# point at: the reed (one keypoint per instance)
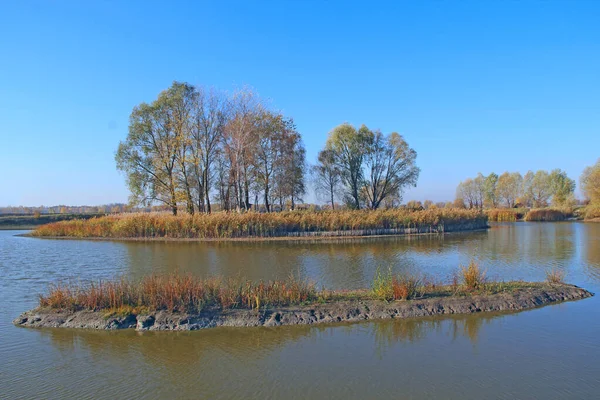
(178, 293)
(548, 214)
(188, 294)
(253, 224)
(502, 215)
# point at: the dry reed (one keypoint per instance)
(253, 224)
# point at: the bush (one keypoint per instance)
(592, 211)
(472, 276)
(547, 214)
(555, 276)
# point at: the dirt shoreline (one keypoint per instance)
(332, 312)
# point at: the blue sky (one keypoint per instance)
(475, 86)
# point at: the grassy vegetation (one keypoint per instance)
(253, 224)
(555, 276)
(187, 294)
(502, 215)
(548, 214)
(592, 212)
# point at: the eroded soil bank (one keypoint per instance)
(337, 311)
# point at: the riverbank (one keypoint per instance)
(254, 225)
(350, 307)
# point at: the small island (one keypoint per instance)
(176, 302)
(256, 225)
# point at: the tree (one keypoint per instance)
(210, 111)
(590, 182)
(509, 188)
(326, 176)
(490, 189)
(348, 145)
(562, 187)
(390, 166)
(148, 156)
(540, 189)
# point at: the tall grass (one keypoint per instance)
(178, 293)
(548, 214)
(253, 224)
(188, 294)
(502, 215)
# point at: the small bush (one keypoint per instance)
(405, 287)
(592, 211)
(555, 276)
(502, 215)
(547, 214)
(472, 276)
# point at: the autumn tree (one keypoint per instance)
(562, 187)
(372, 166)
(590, 183)
(326, 176)
(389, 167)
(148, 156)
(348, 145)
(509, 188)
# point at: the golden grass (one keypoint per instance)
(187, 294)
(473, 277)
(547, 214)
(177, 293)
(502, 215)
(252, 224)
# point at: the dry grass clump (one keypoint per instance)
(404, 286)
(178, 293)
(555, 276)
(254, 224)
(502, 215)
(547, 214)
(472, 276)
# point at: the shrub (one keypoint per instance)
(592, 211)
(547, 214)
(555, 276)
(472, 276)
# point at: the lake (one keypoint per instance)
(552, 352)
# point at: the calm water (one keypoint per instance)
(552, 352)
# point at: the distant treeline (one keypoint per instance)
(511, 189)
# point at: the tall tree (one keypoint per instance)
(562, 187)
(490, 189)
(590, 183)
(509, 188)
(326, 176)
(148, 156)
(349, 146)
(390, 167)
(209, 116)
